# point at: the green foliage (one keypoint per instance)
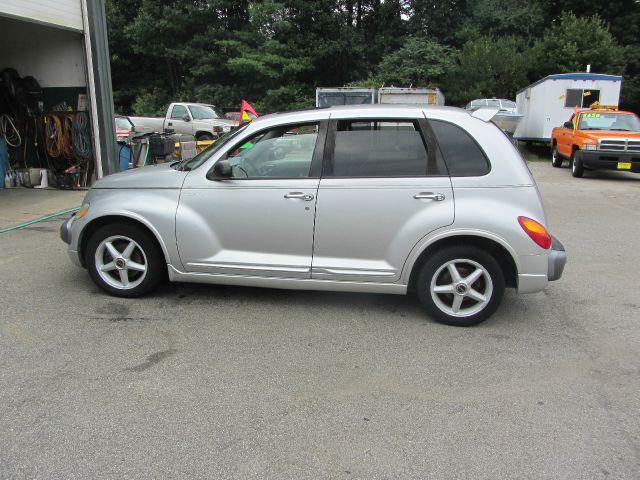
(503, 18)
(150, 103)
(572, 43)
(274, 53)
(487, 67)
(420, 61)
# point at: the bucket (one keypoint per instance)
(124, 157)
(4, 161)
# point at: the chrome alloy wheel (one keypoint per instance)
(461, 288)
(121, 262)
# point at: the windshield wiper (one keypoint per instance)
(621, 130)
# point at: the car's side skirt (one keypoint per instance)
(176, 275)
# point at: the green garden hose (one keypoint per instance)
(46, 217)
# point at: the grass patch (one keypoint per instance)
(535, 152)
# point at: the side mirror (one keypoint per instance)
(568, 125)
(220, 171)
(186, 118)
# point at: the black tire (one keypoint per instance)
(203, 137)
(577, 170)
(147, 252)
(556, 159)
(435, 266)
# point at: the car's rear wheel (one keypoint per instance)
(124, 260)
(577, 170)
(461, 286)
(556, 159)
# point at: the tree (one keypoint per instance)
(420, 62)
(572, 43)
(502, 18)
(487, 67)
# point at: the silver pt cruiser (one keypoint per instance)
(385, 199)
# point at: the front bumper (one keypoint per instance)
(65, 230)
(557, 259)
(608, 160)
(65, 235)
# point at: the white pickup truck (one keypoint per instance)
(205, 122)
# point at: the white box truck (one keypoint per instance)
(411, 96)
(549, 102)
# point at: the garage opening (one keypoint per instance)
(45, 121)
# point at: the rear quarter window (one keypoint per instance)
(462, 154)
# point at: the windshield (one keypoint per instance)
(508, 104)
(207, 153)
(205, 112)
(624, 122)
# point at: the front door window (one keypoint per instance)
(283, 152)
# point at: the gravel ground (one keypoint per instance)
(227, 382)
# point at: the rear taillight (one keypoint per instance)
(536, 231)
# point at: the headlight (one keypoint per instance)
(590, 146)
(226, 128)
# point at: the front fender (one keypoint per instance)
(153, 208)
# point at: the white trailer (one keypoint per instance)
(549, 102)
(326, 97)
(411, 96)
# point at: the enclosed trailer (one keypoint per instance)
(326, 97)
(411, 96)
(549, 102)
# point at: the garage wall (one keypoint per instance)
(61, 13)
(54, 57)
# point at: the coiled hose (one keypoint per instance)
(9, 131)
(53, 135)
(67, 147)
(81, 136)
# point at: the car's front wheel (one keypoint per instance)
(460, 286)
(124, 260)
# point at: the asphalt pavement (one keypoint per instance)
(241, 383)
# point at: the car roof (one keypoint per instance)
(342, 111)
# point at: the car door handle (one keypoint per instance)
(307, 197)
(438, 197)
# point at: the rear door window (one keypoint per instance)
(463, 156)
(379, 148)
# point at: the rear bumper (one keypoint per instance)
(536, 282)
(606, 160)
(557, 259)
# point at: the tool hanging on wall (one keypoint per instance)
(81, 136)
(53, 135)
(9, 131)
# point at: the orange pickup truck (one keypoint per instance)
(601, 138)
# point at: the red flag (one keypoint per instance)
(244, 108)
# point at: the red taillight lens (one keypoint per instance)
(536, 231)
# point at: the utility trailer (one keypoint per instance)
(411, 96)
(326, 97)
(549, 102)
